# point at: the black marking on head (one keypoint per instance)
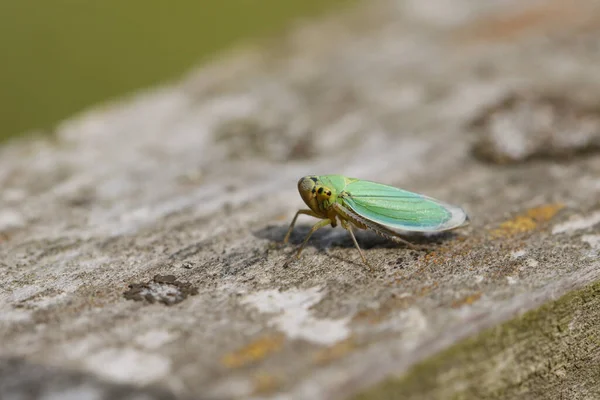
(315, 180)
(320, 190)
(314, 190)
(329, 193)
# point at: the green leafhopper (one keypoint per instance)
(386, 210)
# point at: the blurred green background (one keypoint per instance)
(60, 56)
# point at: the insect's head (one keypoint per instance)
(314, 193)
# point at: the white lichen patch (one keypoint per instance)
(21, 293)
(167, 293)
(592, 240)
(14, 315)
(128, 365)
(81, 348)
(154, 339)
(517, 254)
(294, 317)
(48, 301)
(163, 289)
(75, 393)
(532, 262)
(10, 219)
(577, 223)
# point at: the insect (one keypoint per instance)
(369, 205)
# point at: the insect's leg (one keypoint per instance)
(362, 255)
(306, 212)
(408, 244)
(315, 228)
(394, 237)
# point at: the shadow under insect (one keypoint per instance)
(338, 237)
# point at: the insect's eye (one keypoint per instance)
(322, 191)
(306, 185)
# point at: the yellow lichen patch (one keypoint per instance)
(254, 351)
(545, 213)
(335, 352)
(527, 222)
(265, 384)
(466, 301)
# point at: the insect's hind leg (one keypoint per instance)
(348, 227)
(397, 239)
(291, 228)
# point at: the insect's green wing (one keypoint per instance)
(400, 209)
(337, 183)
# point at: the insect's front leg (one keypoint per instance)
(315, 228)
(305, 212)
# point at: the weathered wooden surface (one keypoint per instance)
(197, 180)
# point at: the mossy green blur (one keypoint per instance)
(61, 56)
